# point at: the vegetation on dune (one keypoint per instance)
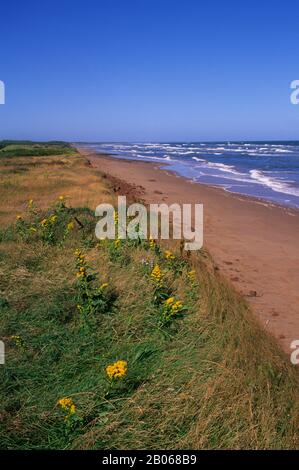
(11, 148)
(124, 344)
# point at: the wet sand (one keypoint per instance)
(254, 243)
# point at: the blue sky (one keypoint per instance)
(141, 70)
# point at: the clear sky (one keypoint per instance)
(149, 70)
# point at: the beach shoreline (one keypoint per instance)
(252, 241)
(163, 167)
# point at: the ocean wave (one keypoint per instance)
(275, 184)
(223, 167)
(280, 150)
(168, 158)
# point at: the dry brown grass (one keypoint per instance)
(43, 179)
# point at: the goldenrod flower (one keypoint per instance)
(117, 370)
(17, 340)
(156, 272)
(68, 405)
(152, 242)
(191, 275)
(157, 275)
(177, 306)
(172, 308)
(168, 254)
(169, 301)
(80, 256)
(81, 272)
(65, 402)
(72, 409)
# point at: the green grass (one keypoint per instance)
(27, 148)
(212, 379)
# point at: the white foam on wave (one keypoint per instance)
(276, 184)
(282, 150)
(154, 157)
(223, 167)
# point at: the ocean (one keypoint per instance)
(266, 170)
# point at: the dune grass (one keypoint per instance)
(210, 378)
(11, 148)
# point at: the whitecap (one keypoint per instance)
(276, 184)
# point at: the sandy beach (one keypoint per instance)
(254, 243)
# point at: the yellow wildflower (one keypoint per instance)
(61, 197)
(104, 286)
(53, 218)
(70, 226)
(44, 222)
(117, 370)
(68, 405)
(157, 275)
(81, 272)
(152, 242)
(19, 217)
(30, 203)
(168, 254)
(17, 340)
(171, 308)
(80, 256)
(117, 242)
(169, 301)
(191, 275)
(32, 229)
(177, 306)
(65, 402)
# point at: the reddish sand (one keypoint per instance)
(254, 243)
